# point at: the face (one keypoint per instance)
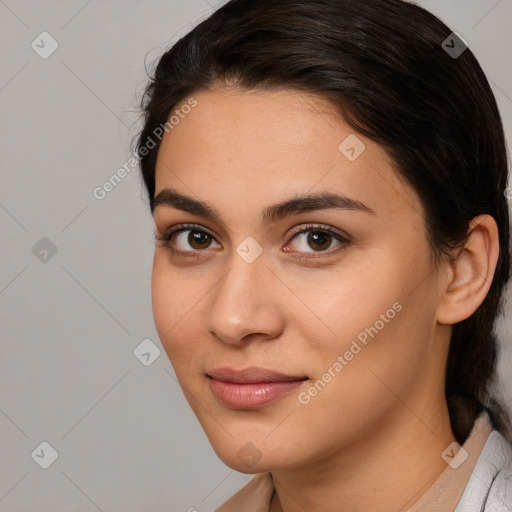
(295, 252)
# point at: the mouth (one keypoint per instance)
(251, 388)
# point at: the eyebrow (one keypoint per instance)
(273, 213)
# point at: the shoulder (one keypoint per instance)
(489, 488)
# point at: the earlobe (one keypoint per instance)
(470, 272)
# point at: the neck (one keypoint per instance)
(387, 469)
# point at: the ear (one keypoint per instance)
(470, 272)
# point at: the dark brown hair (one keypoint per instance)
(383, 65)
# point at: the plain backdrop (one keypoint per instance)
(75, 273)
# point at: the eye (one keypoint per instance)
(186, 239)
(191, 240)
(317, 239)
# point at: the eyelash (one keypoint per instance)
(169, 236)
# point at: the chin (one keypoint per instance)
(248, 458)
(246, 464)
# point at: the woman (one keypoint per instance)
(327, 183)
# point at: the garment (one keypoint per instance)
(480, 483)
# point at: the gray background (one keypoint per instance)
(125, 436)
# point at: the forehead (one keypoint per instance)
(248, 147)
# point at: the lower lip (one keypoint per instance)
(251, 396)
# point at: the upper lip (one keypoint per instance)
(251, 375)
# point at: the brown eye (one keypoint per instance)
(319, 240)
(187, 241)
(199, 239)
(191, 240)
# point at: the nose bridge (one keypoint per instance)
(242, 301)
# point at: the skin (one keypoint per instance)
(372, 438)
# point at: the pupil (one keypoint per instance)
(197, 238)
(321, 240)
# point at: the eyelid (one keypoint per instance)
(321, 227)
(172, 230)
(168, 234)
(343, 239)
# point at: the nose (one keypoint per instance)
(246, 303)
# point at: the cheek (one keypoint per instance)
(163, 296)
(174, 293)
(174, 302)
(372, 313)
(381, 349)
(362, 380)
(338, 306)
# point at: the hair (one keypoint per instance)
(382, 65)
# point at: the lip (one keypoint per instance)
(251, 388)
(251, 375)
